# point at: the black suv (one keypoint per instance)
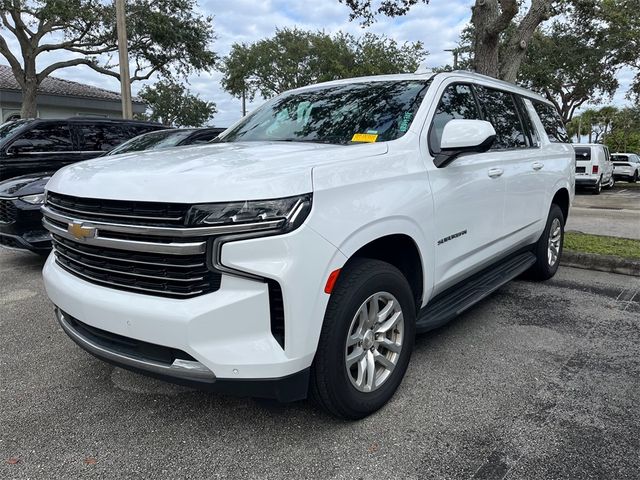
(21, 197)
(45, 145)
(32, 150)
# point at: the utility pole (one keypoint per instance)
(244, 101)
(125, 80)
(455, 52)
(580, 129)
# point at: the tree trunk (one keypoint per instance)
(29, 94)
(28, 80)
(516, 50)
(485, 41)
(490, 19)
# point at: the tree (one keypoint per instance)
(570, 67)
(294, 58)
(616, 23)
(171, 103)
(501, 33)
(167, 37)
(625, 131)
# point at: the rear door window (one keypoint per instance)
(583, 154)
(552, 122)
(500, 109)
(457, 102)
(102, 137)
(49, 137)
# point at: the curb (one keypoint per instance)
(602, 263)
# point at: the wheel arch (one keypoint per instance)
(563, 200)
(401, 251)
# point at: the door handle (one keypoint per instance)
(537, 165)
(495, 172)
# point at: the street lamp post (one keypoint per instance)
(125, 80)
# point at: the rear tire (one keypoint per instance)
(351, 334)
(548, 249)
(634, 179)
(612, 183)
(598, 188)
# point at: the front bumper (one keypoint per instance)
(124, 353)
(24, 230)
(227, 332)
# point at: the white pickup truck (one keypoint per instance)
(303, 251)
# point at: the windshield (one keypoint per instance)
(7, 128)
(152, 141)
(341, 114)
(620, 158)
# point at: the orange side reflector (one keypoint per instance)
(331, 281)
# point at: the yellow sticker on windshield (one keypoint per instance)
(365, 137)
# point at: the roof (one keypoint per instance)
(426, 75)
(59, 87)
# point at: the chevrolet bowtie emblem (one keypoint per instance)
(78, 230)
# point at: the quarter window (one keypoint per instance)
(51, 137)
(457, 102)
(499, 108)
(552, 121)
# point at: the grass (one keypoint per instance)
(620, 247)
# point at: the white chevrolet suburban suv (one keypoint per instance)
(304, 249)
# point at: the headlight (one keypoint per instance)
(283, 214)
(34, 199)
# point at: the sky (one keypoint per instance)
(437, 24)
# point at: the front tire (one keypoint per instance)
(548, 249)
(366, 340)
(634, 179)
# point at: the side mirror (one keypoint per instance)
(20, 146)
(464, 136)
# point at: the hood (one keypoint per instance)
(24, 185)
(206, 173)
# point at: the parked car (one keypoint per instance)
(45, 145)
(168, 138)
(21, 197)
(303, 249)
(626, 166)
(594, 169)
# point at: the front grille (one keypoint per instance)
(8, 211)
(140, 247)
(180, 276)
(581, 169)
(135, 213)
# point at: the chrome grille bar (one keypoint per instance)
(122, 272)
(164, 231)
(117, 215)
(127, 287)
(190, 248)
(59, 244)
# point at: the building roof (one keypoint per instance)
(59, 87)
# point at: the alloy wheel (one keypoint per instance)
(374, 342)
(555, 237)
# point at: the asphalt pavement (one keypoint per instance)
(614, 212)
(539, 381)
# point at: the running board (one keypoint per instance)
(455, 300)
